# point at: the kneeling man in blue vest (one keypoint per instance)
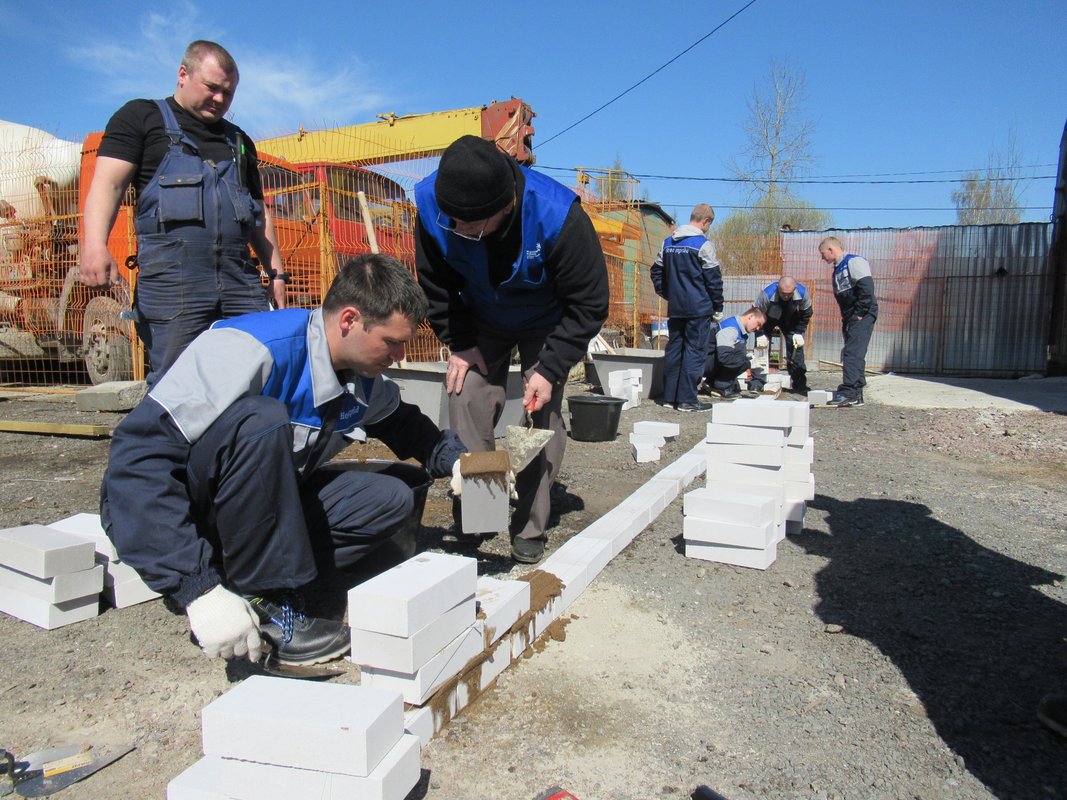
(214, 492)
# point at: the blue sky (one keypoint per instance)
(892, 87)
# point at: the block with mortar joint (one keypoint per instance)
(736, 556)
(592, 554)
(754, 454)
(500, 604)
(321, 726)
(60, 589)
(668, 430)
(800, 454)
(48, 615)
(417, 687)
(411, 595)
(617, 531)
(644, 453)
(45, 552)
(683, 470)
(409, 653)
(230, 779)
(485, 506)
(732, 534)
(721, 433)
(418, 721)
(728, 505)
(88, 526)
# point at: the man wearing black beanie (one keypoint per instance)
(508, 259)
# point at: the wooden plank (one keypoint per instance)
(55, 429)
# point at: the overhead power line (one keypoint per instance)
(822, 181)
(649, 75)
(856, 208)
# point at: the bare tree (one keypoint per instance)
(779, 137)
(992, 198)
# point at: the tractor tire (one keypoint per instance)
(106, 342)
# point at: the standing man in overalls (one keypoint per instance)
(854, 292)
(199, 206)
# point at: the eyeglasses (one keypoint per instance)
(450, 226)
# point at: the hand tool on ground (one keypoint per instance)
(523, 443)
(555, 793)
(47, 771)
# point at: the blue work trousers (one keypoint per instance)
(683, 360)
(857, 333)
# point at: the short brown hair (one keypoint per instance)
(831, 240)
(197, 51)
(702, 211)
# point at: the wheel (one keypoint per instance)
(106, 342)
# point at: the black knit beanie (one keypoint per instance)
(474, 180)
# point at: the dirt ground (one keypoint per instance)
(896, 649)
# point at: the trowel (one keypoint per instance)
(47, 771)
(524, 443)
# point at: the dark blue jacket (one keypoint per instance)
(687, 275)
(854, 288)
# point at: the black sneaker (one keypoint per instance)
(844, 401)
(527, 551)
(694, 406)
(1052, 711)
(726, 394)
(296, 638)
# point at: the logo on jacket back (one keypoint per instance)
(535, 254)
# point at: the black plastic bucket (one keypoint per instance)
(414, 476)
(594, 417)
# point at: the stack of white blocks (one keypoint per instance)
(275, 738)
(122, 585)
(48, 578)
(626, 385)
(756, 449)
(649, 437)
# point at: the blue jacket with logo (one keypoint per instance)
(854, 288)
(686, 273)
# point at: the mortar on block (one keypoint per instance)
(485, 491)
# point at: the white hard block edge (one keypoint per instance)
(616, 527)
(60, 589)
(753, 412)
(683, 470)
(409, 653)
(419, 721)
(800, 490)
(800, 454)
(775, 491)
(668, 430)
(794, 527)
(591, 555)
(647, 439)
(417, 687)
(48, 615)
(319, 726)
(744, 434)
(726, 471)
(728, 505)
(796, 472)
(737, 556)
(732, 534)
(88, 525)
(229, 779)
(45, 552)
(819, 397)
(644, 453)
(795, 510)
(485, 507)
(500, 604)
(123, 587)
(755, 454)
(411, 595)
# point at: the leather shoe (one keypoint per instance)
(527, 551)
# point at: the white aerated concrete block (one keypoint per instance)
(721, 433)
(757, 455)
(685, 469)
(88, 525)
(754, 413)
(500, 604)
(794, 527)
(521, 639)
(819, 397)
(746, 473)
(647, 439)
(419, 721)
(795, 510)
(774, 491)
(737, 556)
(409, 653)
(668, 430)
(800, 490)
(644, 453)
(797, 435)
(592, 554)
(48, 615)
(319, 726)
(498, 660)
(734, 534)
(612, 528)
(800, 454)
(60, 589)
(417, 687)
(411, 595)
(796, 472)
(45, 552)
(123, 587)
(229, 779)
(724, 504)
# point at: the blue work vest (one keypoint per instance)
(524, 301)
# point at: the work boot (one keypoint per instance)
(527, 551)
(698, 406)
(295, 637)
(845, 401)
(726, 394)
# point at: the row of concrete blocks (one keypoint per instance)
(627, 385)
(759, 457)
(649, 437)
(772, 381)
(52, 575)
(274, 739)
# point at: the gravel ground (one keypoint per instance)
(897, 648)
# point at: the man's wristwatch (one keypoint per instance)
(279, 276)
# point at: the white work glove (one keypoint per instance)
(225, 625)
(762, 341)
(456, 482)
(716, 317)
(798, 340)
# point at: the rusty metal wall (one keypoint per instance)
(956, 300)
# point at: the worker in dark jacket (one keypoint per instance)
(508, 259)
(854, 292)
(728, 359)
(687, 275)
(787, 305)
(213, 492)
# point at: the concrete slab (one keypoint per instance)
(111, 396)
